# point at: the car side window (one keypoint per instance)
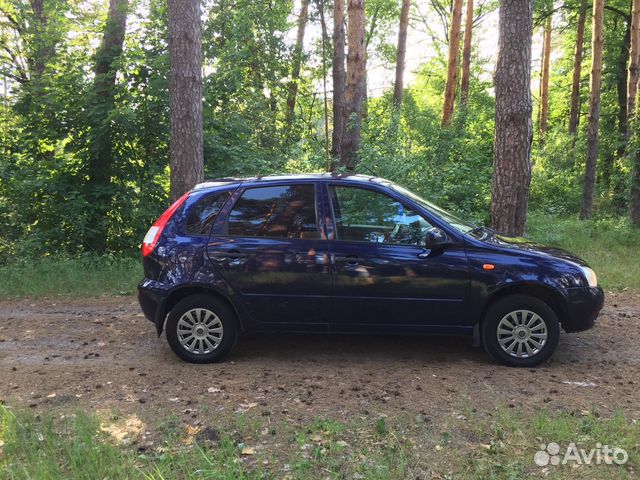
(363, 215)
(202, 215)
(286, 211)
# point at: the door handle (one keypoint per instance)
(231, 255)
(426, 254)
(351, 260)
(234, 254)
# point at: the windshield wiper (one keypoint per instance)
(480, 229)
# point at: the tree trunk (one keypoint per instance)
(338, 74)
(373, 19)
(296, 64)
(574, 116)
(354, 89)
(398, 86)
(42, 37)
(634, 58)
(367, 39)
(544, 87)
(466, 54)
(365, 92)
(44, 45)
(452, 65)
(325, 38)
(597, 42)
(622, 83)
(621, 89)
(513, 130)
(185, 96)
(101, 148)
(634, 197)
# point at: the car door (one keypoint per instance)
(383, 277)
(271, 248)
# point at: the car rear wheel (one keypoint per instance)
(520, 331)
(201, 329)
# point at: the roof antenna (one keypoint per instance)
(370, 170)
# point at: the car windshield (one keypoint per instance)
(462, 226)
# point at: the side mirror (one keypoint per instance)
(436, 238)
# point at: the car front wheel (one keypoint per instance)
(520, 331)
(201, 329)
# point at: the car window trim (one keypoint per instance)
(376, 190)
(184, 230)
(285, 184)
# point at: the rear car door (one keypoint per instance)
(270, 246)
(384, 278)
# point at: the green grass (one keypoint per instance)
(611, 246)
(75, 446)
(88, 276)
(499, 444)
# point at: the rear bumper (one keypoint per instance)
(151, 298)
(583, 306)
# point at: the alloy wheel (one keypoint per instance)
(522, 333)
(200, 331)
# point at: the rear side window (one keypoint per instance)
(204, 213)
(287, 211)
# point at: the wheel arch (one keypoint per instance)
(183, 292)
(543, 292)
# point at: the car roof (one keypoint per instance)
(297, 177)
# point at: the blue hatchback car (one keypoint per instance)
(356, 254)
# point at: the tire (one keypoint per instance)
(520, 321)
(201, 329)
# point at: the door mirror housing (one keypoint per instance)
(436, 238)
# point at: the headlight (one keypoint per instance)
(590, 275)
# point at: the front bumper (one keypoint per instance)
(583, 306)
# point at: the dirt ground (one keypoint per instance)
(102, 353)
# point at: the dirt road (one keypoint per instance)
(102, 354)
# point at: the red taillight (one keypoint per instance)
(152, 236)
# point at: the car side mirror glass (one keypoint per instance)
(436, 238)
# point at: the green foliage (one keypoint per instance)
(381, 426)
(86, 275)
(557, 175)
(46, 202)
(78, 445)
(607, 244)
(48, 118)
(507, 434)
(450, 166)
(558, 171)
(80, 452)
(243, 97)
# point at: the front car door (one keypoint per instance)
(270, 246)
(384, 278)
